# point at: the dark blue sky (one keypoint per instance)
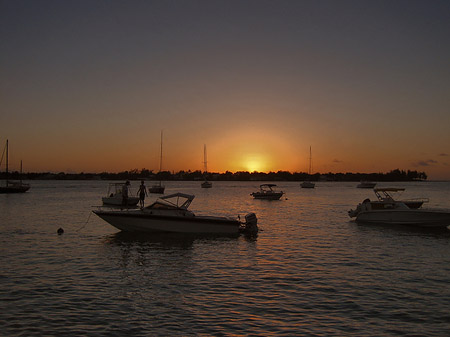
(331, 74)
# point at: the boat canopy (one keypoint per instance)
(116, 188)
(386, 193)
(175, 200)
(268, 185)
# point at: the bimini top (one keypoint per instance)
(268, 185)
(175, 200)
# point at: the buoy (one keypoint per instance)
(60, 231)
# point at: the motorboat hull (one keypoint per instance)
(267, 196)
(414, 204)
(421, 218)
(267, 192)
(141, 221)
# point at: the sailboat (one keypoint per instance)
(307, 183)
(206, 183)
(13, 186)
(158, 188)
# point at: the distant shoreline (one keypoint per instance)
(144, 174)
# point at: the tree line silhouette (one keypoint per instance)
(145, 174)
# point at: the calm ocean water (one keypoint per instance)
(310, 270)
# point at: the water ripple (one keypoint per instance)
(310, 271)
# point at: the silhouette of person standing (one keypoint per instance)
(125, 193)
(142, 193)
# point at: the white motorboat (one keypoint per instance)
(267, 191)
(366, 184)
(114, 196)
(170, 214)
(393, 212)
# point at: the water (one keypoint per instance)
(310, 271)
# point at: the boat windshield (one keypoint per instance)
(267, 187)
(173, 201)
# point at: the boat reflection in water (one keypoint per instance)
(387, 210)
(170, 214)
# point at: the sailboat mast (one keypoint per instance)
(204, 158)
(160, 156)
(7, 155)
(310, 160)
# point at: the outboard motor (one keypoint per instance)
(251, 223)
(354, 212)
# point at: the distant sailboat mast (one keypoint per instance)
(159, 188)
(160, 153)
(206, 183)
(204, 158)
(7, 156)
(12, 187)
(308, 183)
(310, 167)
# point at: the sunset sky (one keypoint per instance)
(87, 86)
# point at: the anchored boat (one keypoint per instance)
(267, 191)
(386, 210)
(13, 186)
(170, 214)
(114, 196)
(366, 184)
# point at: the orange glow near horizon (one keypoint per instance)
(260, 148)
(251, 150)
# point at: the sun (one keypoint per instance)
(253, 166)
(255, 163)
